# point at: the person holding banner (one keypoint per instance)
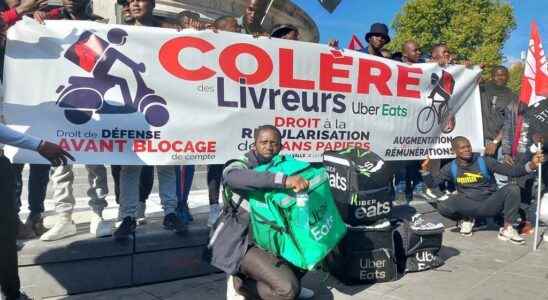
(478, 195)
(262, 274)
(9, 277)
(251, 21)
(141, 11)
(63, 176)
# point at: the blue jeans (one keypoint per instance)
(37, 186)
(408, 178)
(184, 176)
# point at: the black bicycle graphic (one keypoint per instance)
(438, 111)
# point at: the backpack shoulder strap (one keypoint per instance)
(483, 168)
(454, 170)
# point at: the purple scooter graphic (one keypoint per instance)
(85, 96)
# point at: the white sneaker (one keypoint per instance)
(61, 230)
(99, 227)
(214, 212)
(141, 217)
(509, 233)
(231, 293)
(466, 226)
(305, 293)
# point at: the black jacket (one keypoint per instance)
(470, 181)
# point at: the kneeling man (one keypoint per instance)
(477, 192)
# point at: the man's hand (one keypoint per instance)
(54, 153)
(425, 165)
(26, 6)
(537, 160)
(508, 160)
(296, 183)
(39, 16)
(491, 149)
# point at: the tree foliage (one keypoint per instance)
(474, 30)
(515, 74)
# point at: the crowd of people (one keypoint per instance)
(499, 187)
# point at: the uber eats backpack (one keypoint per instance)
(481, 164)
(361, 185)
(367, 254)
(274, 216)
(420, 243)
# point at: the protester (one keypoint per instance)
(190, 19)
(478, 195)
(251, 20)
(495, 98)
(9, 278)
(286, 32)
(411, 53)
(227, 23)
(63, 176)
(263, 275)
(408, 181)
(141, 11)
(377, 38)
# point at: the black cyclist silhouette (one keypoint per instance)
(85, 96)
(438, 110)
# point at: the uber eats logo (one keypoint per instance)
(337, 181)
(369, 208)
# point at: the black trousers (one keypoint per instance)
(505, 200)
(9, 276)
(265, 276)
(146, 181)
(37, 186)
(214, 175)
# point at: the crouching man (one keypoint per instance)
(477, 192)
(262, 274)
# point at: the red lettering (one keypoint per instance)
(228, 59)
(189, 147)
(121, 145)
(91, 146)
(164, 146)
(328, 72)
(138, 146)
(404, 80)
(287, 80)
(64, 145)
(177, 146)
(366, 77)
(169, 58)
(106, 145)
(77, 145)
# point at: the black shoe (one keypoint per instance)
(171, 222)
(126, 229)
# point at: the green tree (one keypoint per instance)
(515, 73)
(474, 30)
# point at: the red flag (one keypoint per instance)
(534, 83)
(355, 44)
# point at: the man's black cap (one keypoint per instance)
(378, 29)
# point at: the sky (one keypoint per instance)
(355, 17)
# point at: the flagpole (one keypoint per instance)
(539, 185)
(267, 10)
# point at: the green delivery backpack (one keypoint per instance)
(274, 216)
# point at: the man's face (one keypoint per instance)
(292, 35)
(267, 144)
(255, 11)
(463, 150)
(73, 6)
(230, 25)
(412, 52)
(440, 53)
(140, 9)
(500, 77)
(377, 42)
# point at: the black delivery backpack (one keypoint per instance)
(421, 242)
(361, 185)
(365, 255)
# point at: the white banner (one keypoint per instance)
(140, 95)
